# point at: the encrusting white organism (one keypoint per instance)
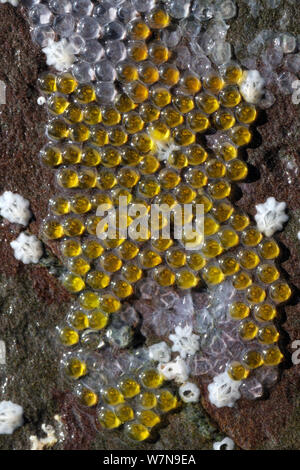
(15, 208)
(160, 352)
(252, 86)
(223, 391)
(27, 248)
(176, 370)
(45, 442)
(185, 342)
(14, 3)
(11, 417)
(189, 392)
(41, 100)
(60, 54)
(164, 148)
(270, 216)
(225, 444)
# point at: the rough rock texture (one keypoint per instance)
(32, 301)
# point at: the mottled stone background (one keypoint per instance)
(32, 301)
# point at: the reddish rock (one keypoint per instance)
(79, 422)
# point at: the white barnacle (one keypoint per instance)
(176, 370)
(27, 248)
(189, 392)
(184, 341)
(41, 100)
(15, 208)
(11, 417)
(225, 444)
(270, 216)
(223, 391)
(60, 54)
(160, 352)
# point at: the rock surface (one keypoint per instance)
(32, 301)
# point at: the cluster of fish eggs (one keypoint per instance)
(136, 399)
(255, 310)
(121, 262)
(100, 34)
(104, 146)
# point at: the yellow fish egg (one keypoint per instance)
(97, 320)
(71, 248)
(233, 74)
(148, 418)
(268, 334)
(166, 401)
(213, 83)
(78, 319)
(137, 431)
(109, 304)
(132, 272)
(280, 292)
(164, 276)
(88, 397)
(229, 265)
(68, 336)
(151, 378)
(241, 280)
(148, 400)
(269, 249)
(66, 83)
(239, 310)
(264, 312)
(185, 279)
(112, 396)
(268, 273)
(169, 74)
(89, 300)
(252, 359)
(108, 419)
(47, 83)
(272, 356)
(124, 412)
(73, 283)
(53, 229)
(212, 274)
(51, 156)
(129, 387)
(158, 19)
(139, 29)
(248, 330)
(76, 368)
(207, 103)
(237, 371)
(59, 206)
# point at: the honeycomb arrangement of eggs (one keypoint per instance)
(147, 144)
(137, 400)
